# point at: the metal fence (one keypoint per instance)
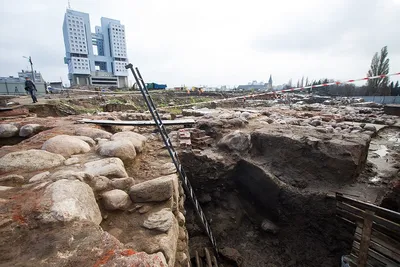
(18, 88)
(381, 99)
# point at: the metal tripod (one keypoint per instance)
(174, 156)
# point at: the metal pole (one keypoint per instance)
(7, 88)
(33, 75)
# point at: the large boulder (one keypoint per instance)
(110, 167)
(159, 189)
(11, 179)
(8, 130)
(137, 140)
(39, 177)
(160, 221)
(236, 141)
(67, 200)
(93, 133)
(137, 259)
(122, 183)
(30, 160)
(87, 139)
(69, 175)
(66, 145)
(116, 200)
(79, 243)
(153, 241)
(122, 149)
(30, 129)
(232, 255)
(301, 156)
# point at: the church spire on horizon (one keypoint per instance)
(269, 86)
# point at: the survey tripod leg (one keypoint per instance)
(174, 156)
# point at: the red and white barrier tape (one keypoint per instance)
(337, 83)
(291, 89)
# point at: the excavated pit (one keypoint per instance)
(274, 202)
(268, 223)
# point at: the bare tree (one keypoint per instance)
(379, 66)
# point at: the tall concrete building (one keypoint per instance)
(97, 58)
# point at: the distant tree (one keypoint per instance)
(289, 84)
(298, 83)
(307, 84)
(379, 66)
(302, 82)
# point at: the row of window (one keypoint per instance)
(79, 38)
(73, 49)
(75, 29)
(80, 59)
(78, 42)
(74, 18)
(119, 37)
(78, 23)
(81, 46)
(82, 68)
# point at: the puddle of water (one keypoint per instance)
(382, 151)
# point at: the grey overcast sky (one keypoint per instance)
(214, 42)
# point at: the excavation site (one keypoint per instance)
(204, 181)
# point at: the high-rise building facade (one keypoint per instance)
(97, 58)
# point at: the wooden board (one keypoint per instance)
(377, 234)
(138, 123)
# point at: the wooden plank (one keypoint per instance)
(374, 258)
(382, 212)
(353, 210)
(348, 215)
(387, 245)
(380, 249)
(392, 226)
(138, 123)
(353, 260)
(365, 239)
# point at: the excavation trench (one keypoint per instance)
(273, 214)
(267, 222)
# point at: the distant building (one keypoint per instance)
(57, 85)
(257, 86)
(16, 85)
(98, 58)
(27, 73)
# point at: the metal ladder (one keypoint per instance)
(174, 156)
